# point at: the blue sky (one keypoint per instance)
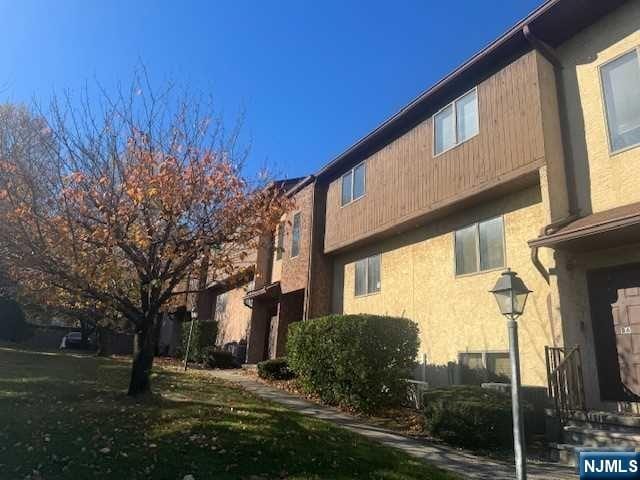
(313, 77)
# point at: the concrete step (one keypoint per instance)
(603, 438)
(568, 454)
(608, 420)
(610, 427)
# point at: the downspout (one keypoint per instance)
(312, 229)
(550, 55)
(535, 259)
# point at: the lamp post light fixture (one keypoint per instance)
(194, 317)
(511, 294)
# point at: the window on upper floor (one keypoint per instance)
(280, 241)
(295, 235)
(353, 184)
(480, 246)
(621, 87)
(456, 123)
(367, 275)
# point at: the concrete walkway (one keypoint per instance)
(460, 462)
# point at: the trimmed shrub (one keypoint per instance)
(213, 357)
(358, 361)
(275, 369)
(470, 416)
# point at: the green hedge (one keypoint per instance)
(275, 369)
(358, 361)
(213, 357)
(470, 416)
(203, 337)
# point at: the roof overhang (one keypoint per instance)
(300, 185)
(271, 291)
(608, 229)
(553, 22)
(242, 277)
(516, 181)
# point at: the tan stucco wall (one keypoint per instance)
(604, 180)
(232, 315)
(457, 314)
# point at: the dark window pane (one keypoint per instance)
(295, 236)
(373, 274)
(471, 360)
(359, 181)
(361, 277)
(467, 116)
(280, 241)
(466, 253)
(621, 82)
(499, 364)
(491, 244)
(445, 130)
(346, 188)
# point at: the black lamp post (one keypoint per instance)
(194, 317)
(511, 294)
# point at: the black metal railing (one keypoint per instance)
(564, 375)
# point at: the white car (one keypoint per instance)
(73, 340)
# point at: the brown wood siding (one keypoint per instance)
(404, 180)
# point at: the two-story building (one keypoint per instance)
(522, 157)
(270, 287)
(424, 212)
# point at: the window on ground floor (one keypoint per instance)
(367, 275)
(480, 246)
(495, 363)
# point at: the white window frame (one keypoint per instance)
(353, 180)
(366, 276)
(478, 261)
(293, 224)
(604, 101)
(455, 122)
(484, 355)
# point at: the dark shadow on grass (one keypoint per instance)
(192, 425)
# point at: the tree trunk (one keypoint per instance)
(143, 353)
(84, 341)
(100, 342)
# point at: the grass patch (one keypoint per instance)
(67, 417)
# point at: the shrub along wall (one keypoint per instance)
(275, 369)
(470, 416)
(358, 361)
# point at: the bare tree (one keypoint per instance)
(122, 202)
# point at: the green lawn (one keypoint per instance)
(66, 416)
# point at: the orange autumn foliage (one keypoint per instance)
(118, 214)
